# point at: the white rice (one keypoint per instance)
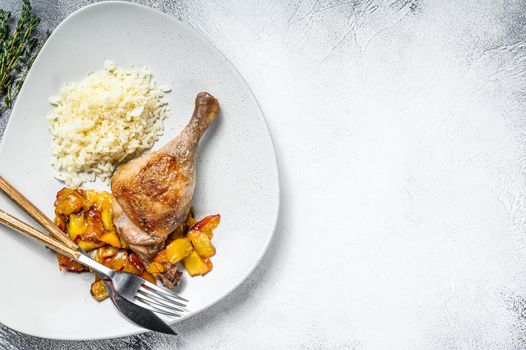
(111, 115)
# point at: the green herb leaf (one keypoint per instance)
(18, 50)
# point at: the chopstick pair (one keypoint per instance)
(48, 241)
(58, 240)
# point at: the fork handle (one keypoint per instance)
(32, 232)
(35, 213)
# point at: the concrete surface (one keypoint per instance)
(400, 128)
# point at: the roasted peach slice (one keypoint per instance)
(195, 265)
(207, 225)
(161, 257)
(102, 253)
(155, 268)
(91, 196)
(112, 238)
(96, 199)
(149, 277)
(68, 202)
(60, 221)
(106, 214)
(69, 264)
(201, 243)
(178, 249)
(95, 228)
(98, 290)
(76, 226)
(88, 246)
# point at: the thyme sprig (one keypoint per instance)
(18, 50)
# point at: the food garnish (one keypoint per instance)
(18, 50)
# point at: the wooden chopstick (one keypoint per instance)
(32, 232)
(36, 214)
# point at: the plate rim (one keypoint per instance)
(275, 169)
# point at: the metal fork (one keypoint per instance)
(131, 287)
(139, 291)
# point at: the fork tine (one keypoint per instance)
(152, 303)
(169, 293)
(155, 294)
(156, 309)
(158, 301)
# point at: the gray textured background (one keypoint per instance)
(400, 132)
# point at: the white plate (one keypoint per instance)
(237, 172)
